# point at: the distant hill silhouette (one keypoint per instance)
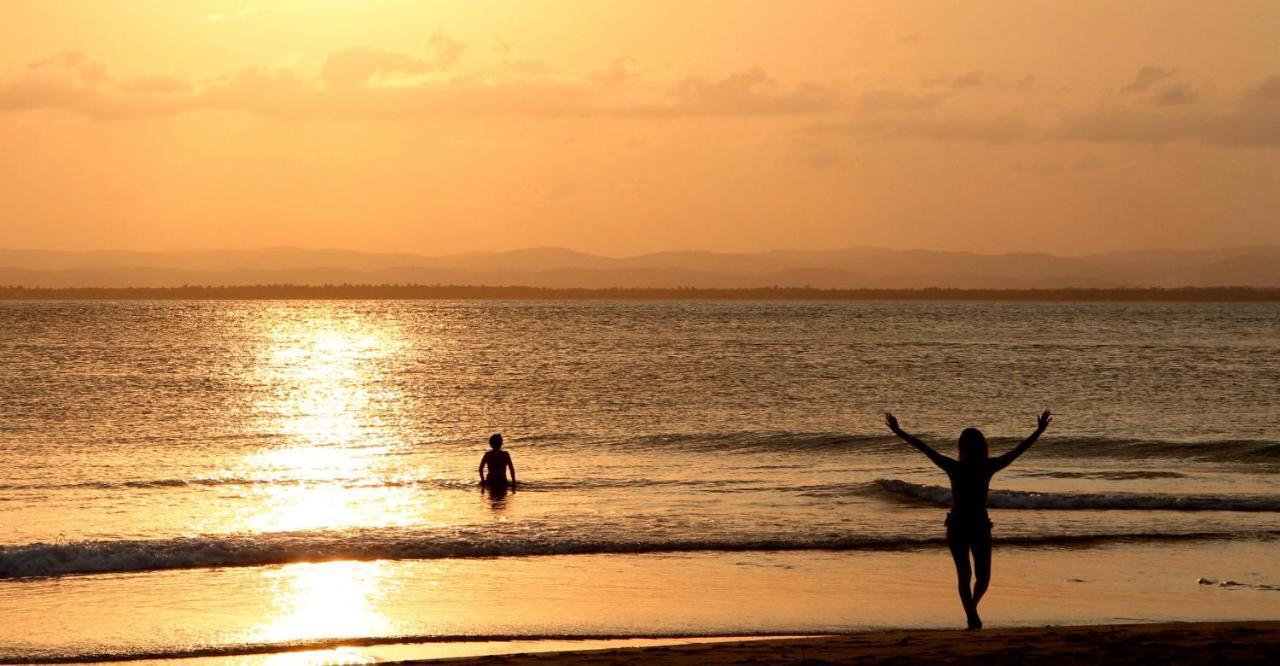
(848, 268)
(457, 292)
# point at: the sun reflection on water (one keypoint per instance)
(326, 600)
(342, 655)
(326, 403)
(332, 418)
(323, 374)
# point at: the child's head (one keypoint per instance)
(973, 445)
(495, 441)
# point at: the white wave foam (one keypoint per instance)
(1107, 474)
(1234, 584)
(1019, 499)
(365, 482)
(216, 551)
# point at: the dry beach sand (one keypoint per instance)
(1170, 643)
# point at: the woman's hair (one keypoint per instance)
(495, 440)
(973, 445)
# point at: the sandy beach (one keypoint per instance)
(1173, 643)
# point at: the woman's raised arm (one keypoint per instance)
(1001, 462)
(938, 459)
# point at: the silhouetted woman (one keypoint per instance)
(497, 462)
(968, 527)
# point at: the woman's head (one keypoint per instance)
(973, 445)
(495, 441)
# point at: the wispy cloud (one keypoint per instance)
(377, 83)
(1164, 109)
(1155, 105)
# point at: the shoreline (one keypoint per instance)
(1171, 642)
(1210, 642)
(250, 616)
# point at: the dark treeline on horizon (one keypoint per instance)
(460, 292)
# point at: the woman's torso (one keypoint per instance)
(497, 464)
(970, 483)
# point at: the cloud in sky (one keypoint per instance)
(1165, 110)
(1159, 86)
(370, 66)
(76, 83)
(1174, 94)
(1146, 78)
(618, 72)
(1155, 106)
(367, 82)
(248, 11)
(750, 92)
(971, 79)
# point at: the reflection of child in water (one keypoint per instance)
(498, 461)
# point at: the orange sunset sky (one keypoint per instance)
(620, 128)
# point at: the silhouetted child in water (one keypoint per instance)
(498, 462)
(968, 527)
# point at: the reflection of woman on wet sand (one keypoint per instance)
(968, 527)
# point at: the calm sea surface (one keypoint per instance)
(201, 447)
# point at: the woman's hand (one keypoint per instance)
(1044, 420)
(892, 422)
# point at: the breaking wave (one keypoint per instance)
(216, 551)
(1106, 474)
(1020, 499)
(468, 484)
(1227, 450)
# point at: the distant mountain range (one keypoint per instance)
(848, 268)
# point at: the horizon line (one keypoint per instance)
(1233, 294)
(561, 248)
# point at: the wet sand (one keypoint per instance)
(1173, 643)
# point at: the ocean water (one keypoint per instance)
(209, 478)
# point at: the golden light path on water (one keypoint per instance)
(327, 599)
(319, 377)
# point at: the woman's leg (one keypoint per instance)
(981, 567)
(960, 554)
